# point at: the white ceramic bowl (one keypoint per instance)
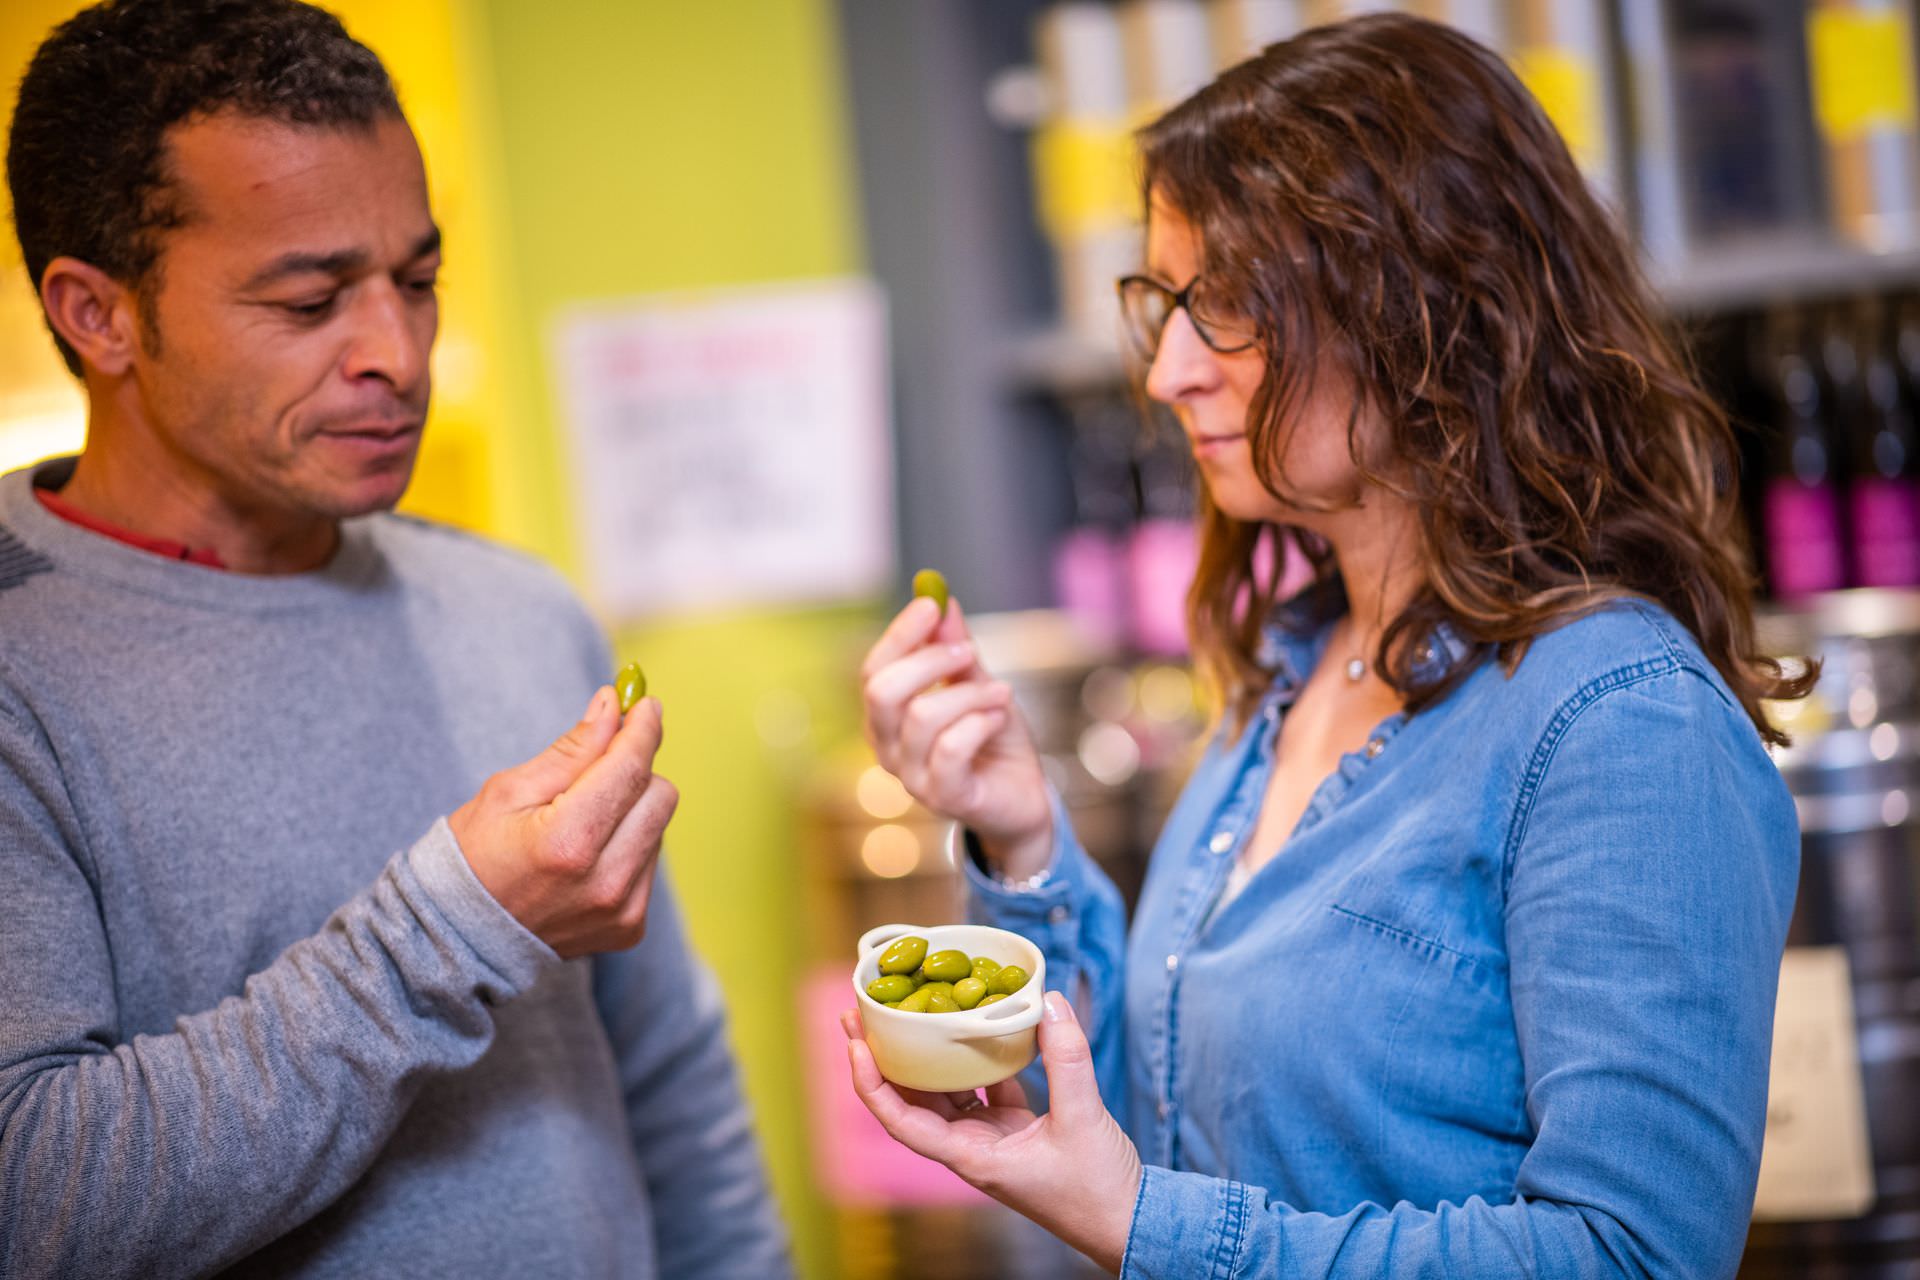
(946, 1052)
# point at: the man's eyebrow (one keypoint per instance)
(343, 262)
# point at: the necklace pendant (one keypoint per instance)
(1356, 670)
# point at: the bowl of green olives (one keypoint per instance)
(949, 1007)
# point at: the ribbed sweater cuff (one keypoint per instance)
(501, 942)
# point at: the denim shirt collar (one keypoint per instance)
(1294, 640)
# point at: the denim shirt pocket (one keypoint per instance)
(1446, 1049)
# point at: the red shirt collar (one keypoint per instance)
(158, 546)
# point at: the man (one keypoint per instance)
(288, 984)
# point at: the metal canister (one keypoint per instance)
(1854, 771)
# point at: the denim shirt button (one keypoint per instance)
(1059, 914)
(1164, 1108)
(1222, 840)
(1374, 747)
(1173, 962)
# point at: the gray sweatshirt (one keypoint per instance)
(255, 1011)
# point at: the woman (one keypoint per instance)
(1457, 956)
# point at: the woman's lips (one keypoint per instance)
(1208, 445)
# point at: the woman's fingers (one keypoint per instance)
(918, 1128)
(888, 691)
(912, 627)
(949, 765)
(931, 714)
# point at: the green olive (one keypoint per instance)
(903, 955)
(969, 992)
(932, 584)
(992, 998)
(941, 1002)
(985, 967)
(949, 966)
(891, 989)
(915, 1003)
(939, 989)
(631, 685)
(1009, 980)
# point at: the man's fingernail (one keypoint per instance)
(1057, 1008)
(598, 706)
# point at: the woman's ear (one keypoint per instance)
(93, 313)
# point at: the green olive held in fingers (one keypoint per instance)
(932, 584)
(969, 992)
(949, 966)
(891, 989)
(1009, 980)
(631, 685)
(903, 955)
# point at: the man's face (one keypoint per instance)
(293, 314)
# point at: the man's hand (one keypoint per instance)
(568, 841)
(1074, 1170)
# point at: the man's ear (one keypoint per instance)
(95, 313)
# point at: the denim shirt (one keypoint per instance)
(1501, 1005)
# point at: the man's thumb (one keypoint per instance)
(554, 770)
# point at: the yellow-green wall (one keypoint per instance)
(41, 410)
(674, 146)
(599, 149)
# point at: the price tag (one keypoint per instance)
(1816, 1162)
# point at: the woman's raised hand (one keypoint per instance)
(953, 736)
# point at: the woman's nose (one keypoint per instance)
(1182, 363)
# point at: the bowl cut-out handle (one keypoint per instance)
(1016, 1013)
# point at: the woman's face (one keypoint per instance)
(1210, 393)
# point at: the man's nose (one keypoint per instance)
(388, 342)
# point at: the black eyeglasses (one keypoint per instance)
(1146, 305)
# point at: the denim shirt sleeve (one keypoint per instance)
(1079, 923)
(1651, 865)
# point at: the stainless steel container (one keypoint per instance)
(1854, 771)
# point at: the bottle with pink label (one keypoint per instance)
(1884, 496)
(1804, 540)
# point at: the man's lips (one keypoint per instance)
(376, 430)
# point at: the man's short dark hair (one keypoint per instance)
(86, 155)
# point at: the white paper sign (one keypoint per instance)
(730, 447)
(1816, 1162)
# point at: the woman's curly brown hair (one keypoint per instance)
(1384, 193)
